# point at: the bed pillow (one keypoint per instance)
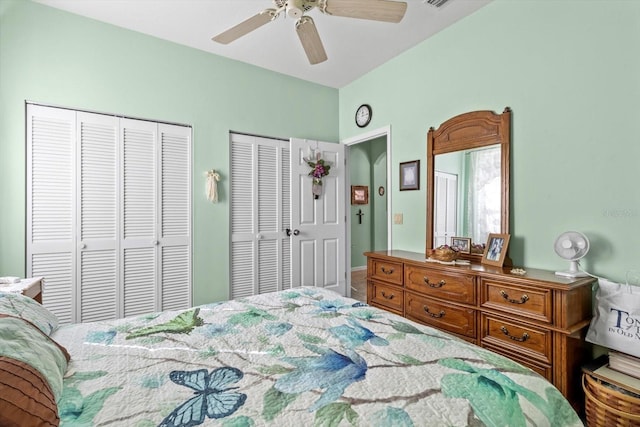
(32, 367)
(18, 305)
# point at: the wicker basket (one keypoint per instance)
(445, 254)
(607, 407)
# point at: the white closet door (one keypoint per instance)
(139, 237)
(51, 140)
(260, 247)
(108, 213)
(97, 210)
(446, 211)
(175, 216)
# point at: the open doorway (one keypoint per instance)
(369, 224)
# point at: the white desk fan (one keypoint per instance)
(572, 246)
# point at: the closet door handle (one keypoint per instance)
(290, 232)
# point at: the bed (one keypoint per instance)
(304, 356)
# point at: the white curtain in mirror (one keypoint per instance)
(484, 194)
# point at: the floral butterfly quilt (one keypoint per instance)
(300, 357)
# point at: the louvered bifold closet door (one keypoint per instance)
(139, 239)
(260, 260)
(51, 141)
(175, 217)
(97, 210)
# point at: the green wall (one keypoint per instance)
(570, 72)
(53, 57)
(368, 166)
(360, 174)
(378, 156)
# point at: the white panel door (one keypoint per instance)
(318, 255)
(260, 204)
(446, 208)
(51, 140)
(97, 211)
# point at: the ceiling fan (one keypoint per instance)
(375, 10)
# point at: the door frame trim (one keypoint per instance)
(367, 136)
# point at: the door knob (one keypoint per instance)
(83, 246)
(294, 232)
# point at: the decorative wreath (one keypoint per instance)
(319, 169)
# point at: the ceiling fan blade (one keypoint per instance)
(310, 39)
(246, 26)
(375, 10)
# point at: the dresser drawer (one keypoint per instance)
(388, 296)
(542, 369)
(534, 303)
(452, 287)
(386, 270)
(517, 339)
(450, 317)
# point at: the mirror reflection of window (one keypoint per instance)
(483, 193)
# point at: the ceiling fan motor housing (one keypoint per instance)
(296, 8)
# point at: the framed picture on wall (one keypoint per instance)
(410, 175)
(359, 194)
(496, 250)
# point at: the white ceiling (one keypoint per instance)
(354, 46)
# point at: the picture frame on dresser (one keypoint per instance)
(462, 244)
(495, 251)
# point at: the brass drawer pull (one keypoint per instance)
(440, 284)
(436, 315)
(524, 298)
(385, 271)
(505, 331)
(390, 297)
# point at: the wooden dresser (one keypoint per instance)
(537, 319)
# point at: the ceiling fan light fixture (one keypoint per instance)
(294, 8)
(294, 12)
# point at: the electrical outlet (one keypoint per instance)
(397, 218)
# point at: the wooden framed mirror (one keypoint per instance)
(468, 175)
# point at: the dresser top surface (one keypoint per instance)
(537, 275)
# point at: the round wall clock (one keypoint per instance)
(363, 115)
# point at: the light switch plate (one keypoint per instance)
(397, 218)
